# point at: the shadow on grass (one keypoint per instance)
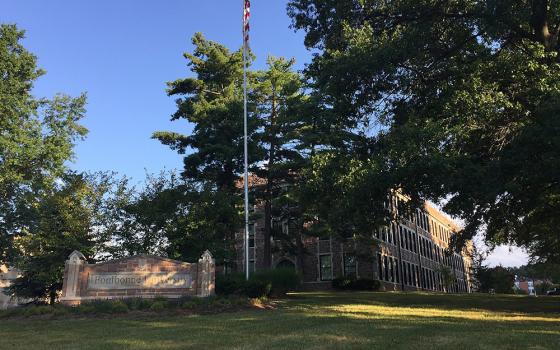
(315, 321)
(496, 303)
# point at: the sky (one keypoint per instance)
(122, 53)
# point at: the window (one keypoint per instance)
(409, 274)
(397, 270)
(325, 267)
(404, 272)
(392, 268)
(386, 265)
(350, 266)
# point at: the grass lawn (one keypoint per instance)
(315, 321)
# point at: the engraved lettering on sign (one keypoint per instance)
(130, 280)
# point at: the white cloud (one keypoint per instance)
(507, 256)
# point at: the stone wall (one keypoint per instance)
(141, 276)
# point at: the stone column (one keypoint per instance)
(206, 275)
(72, 277)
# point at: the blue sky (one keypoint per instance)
(122, 52)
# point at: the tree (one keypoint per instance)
(213, 102)
(36, 139)
(277, 90)
(497, 279)
(464, 99)
(66, 219)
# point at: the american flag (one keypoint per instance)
(246, 15)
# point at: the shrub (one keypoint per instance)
(158, 306)
(255, 288)
(341, 283)
(84, 308)
(138, 303)
(104, 307)
(366, 284)
(230, 284)
(281, 280)
(119, 307)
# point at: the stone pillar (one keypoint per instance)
(206, 275)
(72, 277)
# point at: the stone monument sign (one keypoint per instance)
(140, 276)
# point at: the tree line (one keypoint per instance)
(453, 102)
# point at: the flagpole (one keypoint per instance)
(246, 174)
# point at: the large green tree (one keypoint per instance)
(463, 97)
(212, 102)
(277, 91)
(37, 136)
(66, 218)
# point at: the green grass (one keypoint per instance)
(315, 321)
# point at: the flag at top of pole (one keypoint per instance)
(246, 15)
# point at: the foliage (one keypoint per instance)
(447, 276)
(497, 279)
(281, 280)
(64, 220)
(229, 283)
(212, 100)
(277, 92)
(256, 288)
(275, 282)
(458, 100)
(36, 139)
(542, 271)
(158, 306)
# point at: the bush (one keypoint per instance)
(138, 303)
(281, 280)
(341, 283)
(255, 288)
(230, 284)
(346, 283)
(104, 307)
(158, 306)
(119, 307)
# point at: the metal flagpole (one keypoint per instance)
(246, 175)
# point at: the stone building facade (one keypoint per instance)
(409, 255)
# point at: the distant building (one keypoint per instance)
(527, 285)
(410, 254)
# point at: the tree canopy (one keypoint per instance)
(37, 136)
(463, 97)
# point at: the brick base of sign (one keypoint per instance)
(140, 276)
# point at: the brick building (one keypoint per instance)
(410, 254)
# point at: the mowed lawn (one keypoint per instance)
(315, 321)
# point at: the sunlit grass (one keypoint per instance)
(315, 321)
